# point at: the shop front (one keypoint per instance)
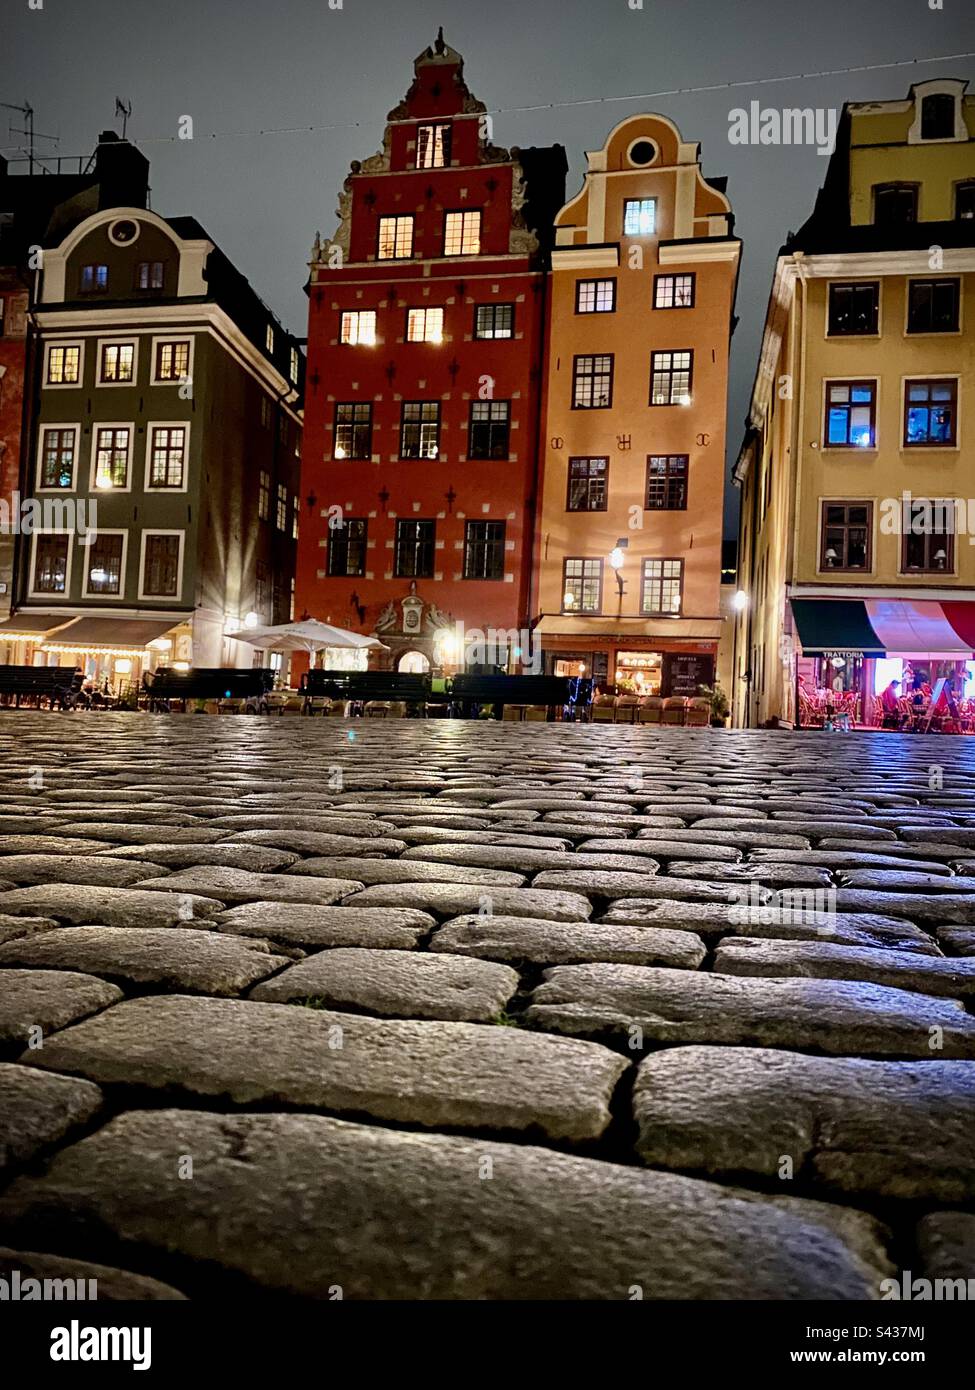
(634, 666)
(114, 653)
(886, 663)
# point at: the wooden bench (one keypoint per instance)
(247, 689)
(570, 694)
(59, 685)
(361, 687)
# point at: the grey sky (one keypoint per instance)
(246, 65)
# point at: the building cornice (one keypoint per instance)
(98, 321)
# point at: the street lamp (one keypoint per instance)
(740, 601)
(616, 558)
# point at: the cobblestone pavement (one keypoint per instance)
(310, 1009)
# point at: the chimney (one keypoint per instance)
(122, 173)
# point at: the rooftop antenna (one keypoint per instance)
(123, 109)
(27, 111)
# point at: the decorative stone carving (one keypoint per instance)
(387, 620)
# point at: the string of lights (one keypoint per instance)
(738, 84)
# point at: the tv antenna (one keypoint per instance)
(123, 109)
(28, 131)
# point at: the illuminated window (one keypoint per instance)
(64, 365)
(462, 233)
(94, 279)
(930, 412)
(395, 238)
(639, 216)
(358, 327)
(167, 456)
(420, 430)
(353, 430)
(846, 536)
(587, 485)
(172, 359)
(57, 458)
(662, 588)
(582, 586)
(424, 325)
(282, 509)
(670, 377)
(269, 337)
(112, 455)
(433, 146)
(264, 496)
(673, 292)
(104, 564)
(116, 363)
(666, 482)
(851, 417)
(595, 296)
(592, 382)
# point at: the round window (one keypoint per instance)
(643, 152)
(124, 232)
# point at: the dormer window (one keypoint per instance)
(894, 204)
(149, 275)
(94, 279)
(938, 116)
(965, 202)
(433, 145)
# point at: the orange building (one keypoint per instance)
(628, 541)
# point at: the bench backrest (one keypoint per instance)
(208, 683)
(41, 679)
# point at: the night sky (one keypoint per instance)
(246, 65)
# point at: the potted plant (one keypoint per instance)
(720, 708)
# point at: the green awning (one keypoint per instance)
(827, 625)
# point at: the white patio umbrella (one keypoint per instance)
(308, 635)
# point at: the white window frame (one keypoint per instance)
(50, 385)
(161, 531)
(396, 217)
(653, 204)
(131, 342)
(463, 214)
(151, 427)
(356, 317)
(46, 593)
(293, 362)
(96, 428)
(269, 337)
(425, 311)
(57, 425)
(105, 531)
(189, 338)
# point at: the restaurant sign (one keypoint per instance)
(843, 654)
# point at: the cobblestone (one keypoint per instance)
(357, 963)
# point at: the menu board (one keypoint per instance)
(685, 671)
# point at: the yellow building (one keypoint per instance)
(857, 533)
(628, 547)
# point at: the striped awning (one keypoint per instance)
(886, 627)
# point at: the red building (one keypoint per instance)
(14, 298)
(425, 341)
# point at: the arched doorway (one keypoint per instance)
(413, 664)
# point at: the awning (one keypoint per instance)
(886, 627)
(23, 625)
(835, 625)
(113, 636)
